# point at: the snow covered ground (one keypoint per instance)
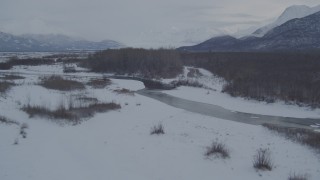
(117, 144)
(216, 97)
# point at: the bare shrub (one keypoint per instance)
(262, 160)
(64, 57)
(5, 66)
(69, 69)
(16, 142)
(295, 176)
(60, 113)
(158, 129)
(5, 86)
(124, 91)
(90, 110)
(303, 136)
(84, 99)
(12, 77)
(58, 83)
(217, 149)
(72, 114)
(7, 121)
(193, 72)
(99, 83)
(191, 83)
(23, 128)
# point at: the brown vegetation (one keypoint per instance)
(71, 114)
(290, 77)
(188, 82)
(161, 63)
(84, 99)
(158, 130)
(217, 149)
(295, 176)
(124, 91)
(262, 160)
(303, 136)
(193, 73)
(26, 62)
(99, 83)
(12, 77)
(23, 131)
(5, 66)
(60, 113)
(5, 86)
(58, 83)
(7, 121)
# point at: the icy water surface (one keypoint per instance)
(222, 113)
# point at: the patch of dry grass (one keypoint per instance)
(124, 91)
(295, 176)
(99, 83)
(158, 130)
(193, 73)
(71, 114)
(303, 136)
(85, 99)
(12, 77)
(188, 82)
(58, 83)
(217, 149)
(5, 86)
(7, 121)
(262, 160)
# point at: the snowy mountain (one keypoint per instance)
(292, 12)
(296, 34)
(51, 42)
(9, 42)
(172, 37)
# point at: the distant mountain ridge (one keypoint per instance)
(296, 34)
(292, 12)
(51, 42)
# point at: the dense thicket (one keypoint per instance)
(158, 63)
(25, 62)
(291, 77)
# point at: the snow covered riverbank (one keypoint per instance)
(213, 95)
(118, 145)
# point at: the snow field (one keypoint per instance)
(118, 145)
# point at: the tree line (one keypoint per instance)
(159, 63)
(292, 77)
(264, 76)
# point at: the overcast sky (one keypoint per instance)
(140, 22)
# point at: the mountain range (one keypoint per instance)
(297, 28)
(50, 42)
(294, 34)
(292, 12)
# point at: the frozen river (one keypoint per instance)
(222, 113)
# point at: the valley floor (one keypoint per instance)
(118, 145)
